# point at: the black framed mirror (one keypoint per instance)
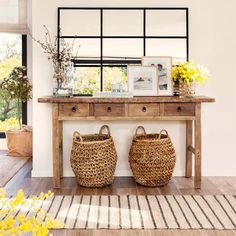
(112, 38)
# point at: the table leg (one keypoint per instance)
(60, 137)
(189, 143)
(56, 155)
(197, 131)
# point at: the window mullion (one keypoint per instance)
(187, 34)
(144, 32)
(24, 63)
(101, 48)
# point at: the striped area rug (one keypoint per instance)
(143, 212)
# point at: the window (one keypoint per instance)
(12, 53)
(112, 38)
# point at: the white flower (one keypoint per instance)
(12, 92)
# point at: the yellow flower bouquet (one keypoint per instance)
(187, 74)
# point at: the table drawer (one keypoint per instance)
(148, 109)
(107, 109)
(179, 109)
(74, 109)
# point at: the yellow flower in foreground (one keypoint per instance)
(38, 224)
(2, 193)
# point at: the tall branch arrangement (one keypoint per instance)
(61, 59)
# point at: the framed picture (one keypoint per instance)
(163, 65)
(142, 80)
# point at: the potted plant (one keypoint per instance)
(17, 87)
(186, 75)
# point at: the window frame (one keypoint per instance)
(119, 63)
(24, 63)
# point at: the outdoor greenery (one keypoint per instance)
(10, 57)
(7, 65)
(87, 79)
(8, 124)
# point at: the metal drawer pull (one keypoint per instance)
(179, 109)
(74, 109)
(144, 109)
(109, 109)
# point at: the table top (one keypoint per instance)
(154, 99)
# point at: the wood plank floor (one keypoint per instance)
(126, 185)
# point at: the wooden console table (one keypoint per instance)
(136, 108)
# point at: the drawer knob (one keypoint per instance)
(109, 109)
(144, 109)
(179, 109)
(74, 109)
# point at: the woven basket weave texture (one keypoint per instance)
(152, 158)
(93, 158)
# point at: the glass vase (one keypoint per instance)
(63, 80)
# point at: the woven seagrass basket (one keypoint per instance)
(152, 158)
(93, 158)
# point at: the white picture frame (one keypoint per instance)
(164, 66)
(142, 80)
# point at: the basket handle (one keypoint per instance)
(105, 127)
(77, 136)
(163, 130)
(140, 128)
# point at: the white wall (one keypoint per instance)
(212, 42)
(3, 144)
